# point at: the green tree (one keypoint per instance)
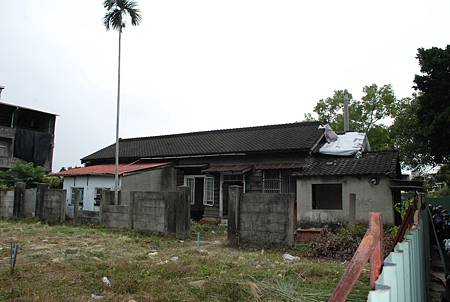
(23, 172)
(116, 11)
(433, 103)
(370, 114)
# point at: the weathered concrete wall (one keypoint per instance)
(369, 198)
(6, 203)
(54, 205)
(160, 212)
(261, 218)
(150, 211)
(115, 216)
(157, 180)
(30, 203)
(267, 218)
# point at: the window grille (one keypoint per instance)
(277, 181)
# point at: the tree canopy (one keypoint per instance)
(29, 174)
(433, 103)
(369, 114)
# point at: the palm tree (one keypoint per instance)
(116, 11)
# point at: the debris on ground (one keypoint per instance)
(198, 283)
(289, 257)
(174, 259)
(96, 297)
(151, 254)
(106, 281)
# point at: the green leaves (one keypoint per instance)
(377, 106)
(117, 10)
(24, 172)
(433, 102)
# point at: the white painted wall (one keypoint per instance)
(369, 198)
(88, 183)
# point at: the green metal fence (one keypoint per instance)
(406, 270)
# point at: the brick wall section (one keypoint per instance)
(54, 205)
(6, 203)
(262, 218)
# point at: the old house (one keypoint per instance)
(347, 188)
(26, 135)
(89, 181)
(269, 159)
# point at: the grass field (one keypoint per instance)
(67, 263)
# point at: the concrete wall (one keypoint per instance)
(157, 180)
(6, 203)
(160, 212)
(89, 184)
(115, 216)
(30, 203)
(260, 218)
(369, 198)
(54, 205)
(267, 218)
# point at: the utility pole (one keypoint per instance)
(346, 115)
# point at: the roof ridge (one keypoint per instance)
(304, 123)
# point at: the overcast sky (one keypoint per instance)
(201, 65)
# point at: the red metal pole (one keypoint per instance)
(369, 243)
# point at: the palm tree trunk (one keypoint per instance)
(116, 174)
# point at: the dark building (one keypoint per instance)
(26, 135)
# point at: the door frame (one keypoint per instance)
(221, 181)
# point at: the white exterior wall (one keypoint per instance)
(369, 198)
(89, 184)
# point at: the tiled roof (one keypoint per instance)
(109, 169)
(284, 137)
(375, 162)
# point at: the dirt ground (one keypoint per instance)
(92, 263)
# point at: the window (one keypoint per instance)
(208, 195)
(327, 196)
(97, 196)
(190, 182)
(80, 196)
(272, 181)
(278, 181)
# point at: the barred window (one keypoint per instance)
(278, 181)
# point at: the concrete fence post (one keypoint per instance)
(62, 204)
(19, 199)
(40, 191)
(106, 193)
(183, 212)
(131, 210)
(76, 202)
(234, 199)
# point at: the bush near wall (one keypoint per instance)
(341, 242)
(29, 174)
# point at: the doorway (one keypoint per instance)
(230, 180)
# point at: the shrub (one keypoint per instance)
(340, 244)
